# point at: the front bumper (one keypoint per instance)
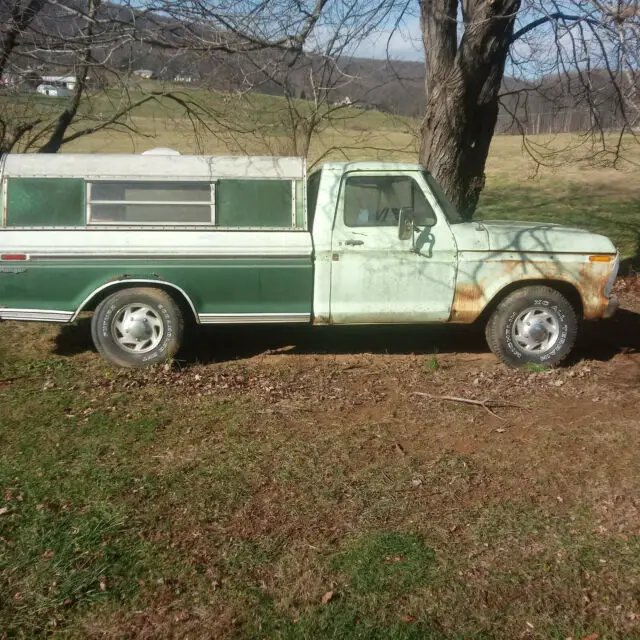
(612, 307)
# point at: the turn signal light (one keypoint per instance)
(600, 258)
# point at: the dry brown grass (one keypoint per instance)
(226, 498)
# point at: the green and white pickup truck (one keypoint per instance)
(150, 241)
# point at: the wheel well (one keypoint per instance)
(178, 295)
(568, 290)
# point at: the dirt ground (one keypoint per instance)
(289, 483)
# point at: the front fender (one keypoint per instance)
(482, 276)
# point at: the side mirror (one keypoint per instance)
(405, 223)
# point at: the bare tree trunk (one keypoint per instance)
(20, 18)
(65, 119)
(463, 83)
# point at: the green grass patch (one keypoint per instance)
(432, 364)
(592, 207)
(387, 562)
(536, 367)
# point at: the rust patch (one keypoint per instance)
(321, 319)
(468, 302)
(470, 298)
(593, 279)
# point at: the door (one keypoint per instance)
(375, 276)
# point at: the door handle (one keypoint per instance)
(353, 243)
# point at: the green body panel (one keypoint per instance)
(251, 285)
(45, 202)
(254, 203)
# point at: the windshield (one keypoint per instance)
(450, 211)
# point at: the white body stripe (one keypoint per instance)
(114, 243)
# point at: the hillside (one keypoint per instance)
(553, 103)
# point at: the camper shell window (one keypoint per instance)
(43, 202)
(256, 203)
(151, 202)
(227, 203)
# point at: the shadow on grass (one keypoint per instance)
(208, 344)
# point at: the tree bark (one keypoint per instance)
(65, 119)
(20, 18)
(463, 78)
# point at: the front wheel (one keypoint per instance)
(532, 324)
(137, 327)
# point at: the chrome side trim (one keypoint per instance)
(253, 318)
(36, 315)
(116, 283)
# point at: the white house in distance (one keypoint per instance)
(147, 74)
(69, 82)
(53, 91)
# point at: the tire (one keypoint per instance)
(137, 327)
(532, 325)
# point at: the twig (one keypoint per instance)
(485, 404)
(400, 449)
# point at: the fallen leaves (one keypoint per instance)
(326, 597)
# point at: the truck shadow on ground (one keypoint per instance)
(209, 344)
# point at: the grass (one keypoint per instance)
(229, 499)
(576, 186)
(152, 504)
(535, 367)
(432, 364)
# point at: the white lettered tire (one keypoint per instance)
(137, 327)
(534, 324)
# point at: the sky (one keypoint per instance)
(405, 43)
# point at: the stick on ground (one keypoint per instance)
(485, 404)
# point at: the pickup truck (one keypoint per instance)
(149, 241)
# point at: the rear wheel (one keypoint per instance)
(532, 324)
(137, 327)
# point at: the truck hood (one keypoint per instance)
(528, 237)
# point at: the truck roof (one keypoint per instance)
(370, 165)
(160, 166)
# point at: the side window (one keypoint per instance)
(375, 201)
(45, 202)
(255, 203)
(150, 203)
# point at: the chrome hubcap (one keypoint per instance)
(137, 328)
(536, 330)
